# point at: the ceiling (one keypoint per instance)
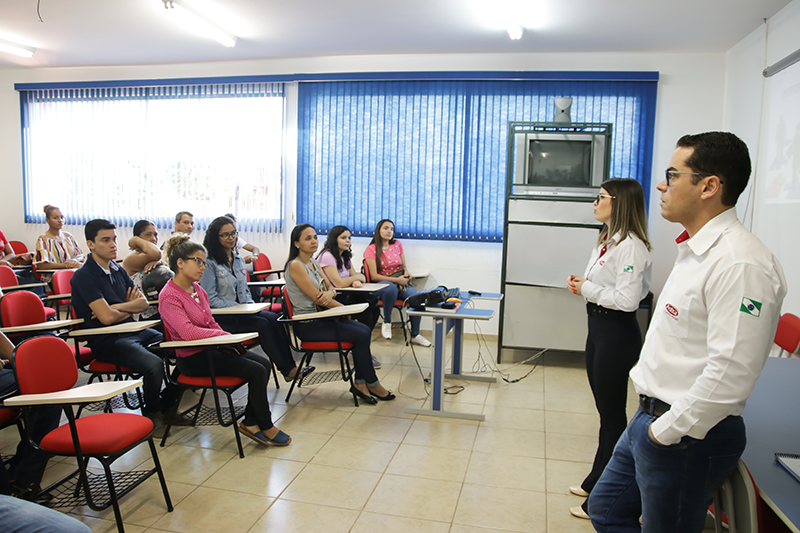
(76, 33)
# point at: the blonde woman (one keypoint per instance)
(617, 278)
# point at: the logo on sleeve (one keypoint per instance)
(750, 307)
(628, 269)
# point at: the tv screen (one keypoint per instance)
(560, 163)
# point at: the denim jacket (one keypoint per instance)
(225, 289)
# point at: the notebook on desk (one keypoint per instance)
(791, 462)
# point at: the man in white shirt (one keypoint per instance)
(712, 329)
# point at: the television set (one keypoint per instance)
(560, 163)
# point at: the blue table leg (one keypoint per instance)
(438, 364)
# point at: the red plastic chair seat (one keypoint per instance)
(103, 368)
(85, 354)
(7, 414)
(788, 334)
(320, 346)
(100, 434)
(49, 312)
(205, 381)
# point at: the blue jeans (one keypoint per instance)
(671, 486)
(348, 331)
(390, 295)
(20, 516)
(129, 349)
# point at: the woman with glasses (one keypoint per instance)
(225, 281)
(186, 314)
(617, 278)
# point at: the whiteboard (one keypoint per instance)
(547, 255)
(776, 210)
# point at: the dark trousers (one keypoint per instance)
(612, 348)
(130, 350)
(271, 336)
(28, 463)
(368, 317)
(252, 367)
(348, 331)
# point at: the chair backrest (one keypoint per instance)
(788, 334)
(287, 302)
(366, 270)
(44, 364)
(21, 308)
(740, 501)
(19, 247)
(62, 281)
(7, 276)
(262, 263)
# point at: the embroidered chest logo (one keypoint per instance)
(601, 263)
(750, 307)
(628, 269)
(672, 311)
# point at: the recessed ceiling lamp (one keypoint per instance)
(514, 30)
(16, 49)
(196, 20)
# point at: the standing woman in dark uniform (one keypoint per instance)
(616, 280)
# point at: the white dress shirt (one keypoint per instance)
(712, 328)
(619, 278)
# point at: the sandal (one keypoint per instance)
(281, 439)
(257, 436)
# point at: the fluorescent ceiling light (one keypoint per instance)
(514, 30)
(16, 49)
(194, 19)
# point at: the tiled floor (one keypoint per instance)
(372, 468)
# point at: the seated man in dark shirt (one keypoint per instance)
(102, 295)
(26, 467)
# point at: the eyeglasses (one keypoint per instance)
(601, 196)
(671, 175)
(200, 262)
(232, 235)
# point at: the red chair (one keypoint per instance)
(227, 385)
(45, 365)
(21, 308)
(788, 334)
(9, 282)
(308, 349)
(62, 285)
(262, 262)
(398, 304)
(19, 247)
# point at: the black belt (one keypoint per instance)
(594, 309)
(658, 407)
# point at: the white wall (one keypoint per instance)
(690, 98)
(747, 113)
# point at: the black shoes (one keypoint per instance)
(306, 371)
(389, 396)
(364, 397)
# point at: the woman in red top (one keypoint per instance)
(186, 314)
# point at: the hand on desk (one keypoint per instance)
(574, 284)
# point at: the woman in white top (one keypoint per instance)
(617, 278)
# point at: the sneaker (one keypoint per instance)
(375, 362)
(419, 340)
(386, 330)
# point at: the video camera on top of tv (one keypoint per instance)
(429, 297)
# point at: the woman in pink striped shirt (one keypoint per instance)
(186, 314)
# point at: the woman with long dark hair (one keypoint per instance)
(225, 281)
(186, 314)
(336, 260)
(617, 278)
(144, 257)
(387, 264)
(308, 289)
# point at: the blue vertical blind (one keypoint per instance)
(431, 155)
(126, 153)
